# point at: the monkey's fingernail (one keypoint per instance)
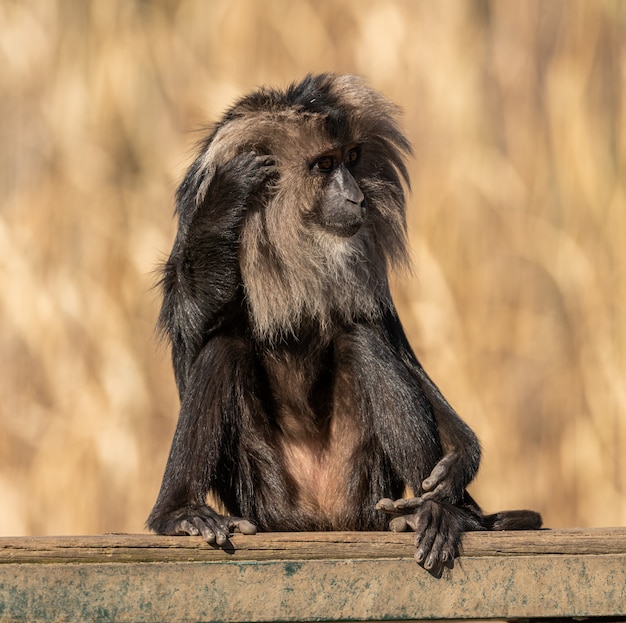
(385, 505)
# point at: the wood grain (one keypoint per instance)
(302, 546)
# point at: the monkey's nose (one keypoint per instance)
(356, 196)
(357, 209)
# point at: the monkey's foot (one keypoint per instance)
(202, 520)
(438, 529)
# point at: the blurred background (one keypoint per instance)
(517, 301)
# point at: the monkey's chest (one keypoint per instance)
(320, 469)
(318, 435)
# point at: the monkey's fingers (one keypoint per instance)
(398, 507)
(399, 524)
(186, 527)
(261, 168)
(386, 505)
(218, 529)
(237, 524)
(434, 546)
(426, 527)
(212, 531)
(439, 473)
(195, 526)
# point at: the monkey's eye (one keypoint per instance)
(353, 156)
(325, 164)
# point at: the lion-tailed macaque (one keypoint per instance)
(303, 407)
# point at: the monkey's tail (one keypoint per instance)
(513, 520)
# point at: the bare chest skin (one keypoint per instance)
(318, 434)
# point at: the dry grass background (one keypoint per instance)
(517, 305)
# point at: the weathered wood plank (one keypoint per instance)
(311, 576)
(301, 545)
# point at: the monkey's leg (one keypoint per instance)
(405, 422)
(397, 410)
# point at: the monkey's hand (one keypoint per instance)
(212, 198)
(447, 481)
(203, 520)
(246, 178)
(212, 209)
(438, 529)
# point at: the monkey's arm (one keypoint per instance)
(205, 445)
(401, 416)
(392, 404)
(443, 510)
(201, 278)
(461, 449)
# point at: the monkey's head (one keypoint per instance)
(318, 247)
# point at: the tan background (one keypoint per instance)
(517, 304)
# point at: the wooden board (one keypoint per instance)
(311, 576)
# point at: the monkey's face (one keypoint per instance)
(341, 208)
(320, 228)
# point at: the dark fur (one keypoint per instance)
(303, 406)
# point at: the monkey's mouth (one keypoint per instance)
(342, 228)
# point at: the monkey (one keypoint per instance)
(302, 405)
